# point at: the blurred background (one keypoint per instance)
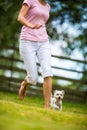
(67, 29)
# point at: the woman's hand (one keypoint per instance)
(36, 26)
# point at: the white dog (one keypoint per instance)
(56, 99)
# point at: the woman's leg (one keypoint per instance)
(28, 54)
(44, 56)
(22, 90)
(47, 88)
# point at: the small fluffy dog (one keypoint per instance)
(56, 99)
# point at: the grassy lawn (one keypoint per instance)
(29, 114)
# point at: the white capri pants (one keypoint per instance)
(29, 51)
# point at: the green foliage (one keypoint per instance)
(30, 115)
(9, 26)
(74, 13)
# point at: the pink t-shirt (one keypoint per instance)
(37, 14)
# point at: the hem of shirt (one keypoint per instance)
(35, 40)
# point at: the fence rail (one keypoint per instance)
(12, 73)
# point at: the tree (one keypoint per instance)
(9, 27)
(74, 13)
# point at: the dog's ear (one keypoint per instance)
(63, 92)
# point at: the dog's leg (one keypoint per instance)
(60, 106)
(55, 106)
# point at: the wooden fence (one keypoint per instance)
(12, 72)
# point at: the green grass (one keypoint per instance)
(29, 114)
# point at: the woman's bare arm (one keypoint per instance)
(23, 20)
